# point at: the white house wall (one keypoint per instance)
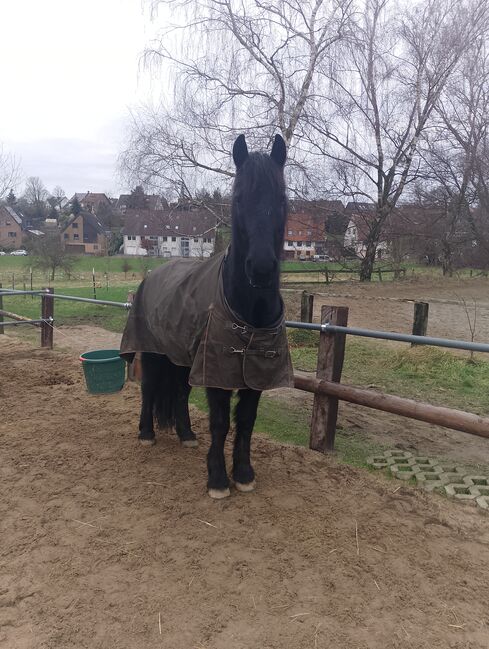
(169, 248)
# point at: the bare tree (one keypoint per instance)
(34, 199)
(9, 172)
(384, 92)
(455, 148)
(247, 67)
(50, 254)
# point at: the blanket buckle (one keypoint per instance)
(233, 350)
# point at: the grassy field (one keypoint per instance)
(113, 266)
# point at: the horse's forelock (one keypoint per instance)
(258, 172)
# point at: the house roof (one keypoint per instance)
(91, 198)
(174, 222)
(13, 213)
(151, 202)
(89, 219)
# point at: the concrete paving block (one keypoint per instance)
(483, 502)
(476, 480)
(461, 492)
(398, 454)
(479, 490)
(436, 469)
(401, 471)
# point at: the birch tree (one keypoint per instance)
(9, 172)
(248, 66)
(384, 92)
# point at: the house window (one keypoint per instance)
(308, 244)
(299, 244)
(165, 238)
(12, 235)
(196, 240)
(290, 232)
(8, 223)
(95, 246)
(76, 237)
(176, 227)
(154, 238)
(290, 243)
(173, 238)
(309, 233)
(66, 236)
(74, 225)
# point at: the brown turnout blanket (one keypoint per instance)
(180, 311)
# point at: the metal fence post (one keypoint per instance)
(331, 353)
(47, 311)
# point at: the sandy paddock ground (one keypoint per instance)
(105, 544)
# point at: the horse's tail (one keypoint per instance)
(161, 373)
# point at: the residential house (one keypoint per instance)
(308, 229)
(84, 234)
(181, 231)
(10, 228)
(360, 218)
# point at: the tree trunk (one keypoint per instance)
(446, 260)
(367, 265)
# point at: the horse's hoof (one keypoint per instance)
(147, 442)
(245, 488)
(219, 494)
(189, 443)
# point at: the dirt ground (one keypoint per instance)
(388, 306)
(107, 544)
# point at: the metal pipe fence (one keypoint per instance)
(16, 323)
(388, 335)
(324, 328)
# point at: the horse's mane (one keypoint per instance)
(257, 172)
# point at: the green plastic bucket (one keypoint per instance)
(104, 370)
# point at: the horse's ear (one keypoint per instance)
(279, 150)
(240, 151)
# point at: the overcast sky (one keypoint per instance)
(70, 70)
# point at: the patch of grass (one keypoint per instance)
(73, 313)
(284, 422)
(424, 373)
(303, 338)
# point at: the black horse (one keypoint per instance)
(250, 272)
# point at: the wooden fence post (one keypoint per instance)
(47, 311)
(331, 353)
(307, 305)
(1, 307)
(420, 322)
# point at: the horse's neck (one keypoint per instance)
(257, 307)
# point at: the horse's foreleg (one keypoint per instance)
(182, 417)
(219, 409)
(245, 415)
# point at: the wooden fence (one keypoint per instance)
(326, 385)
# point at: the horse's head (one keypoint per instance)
(259, 210)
